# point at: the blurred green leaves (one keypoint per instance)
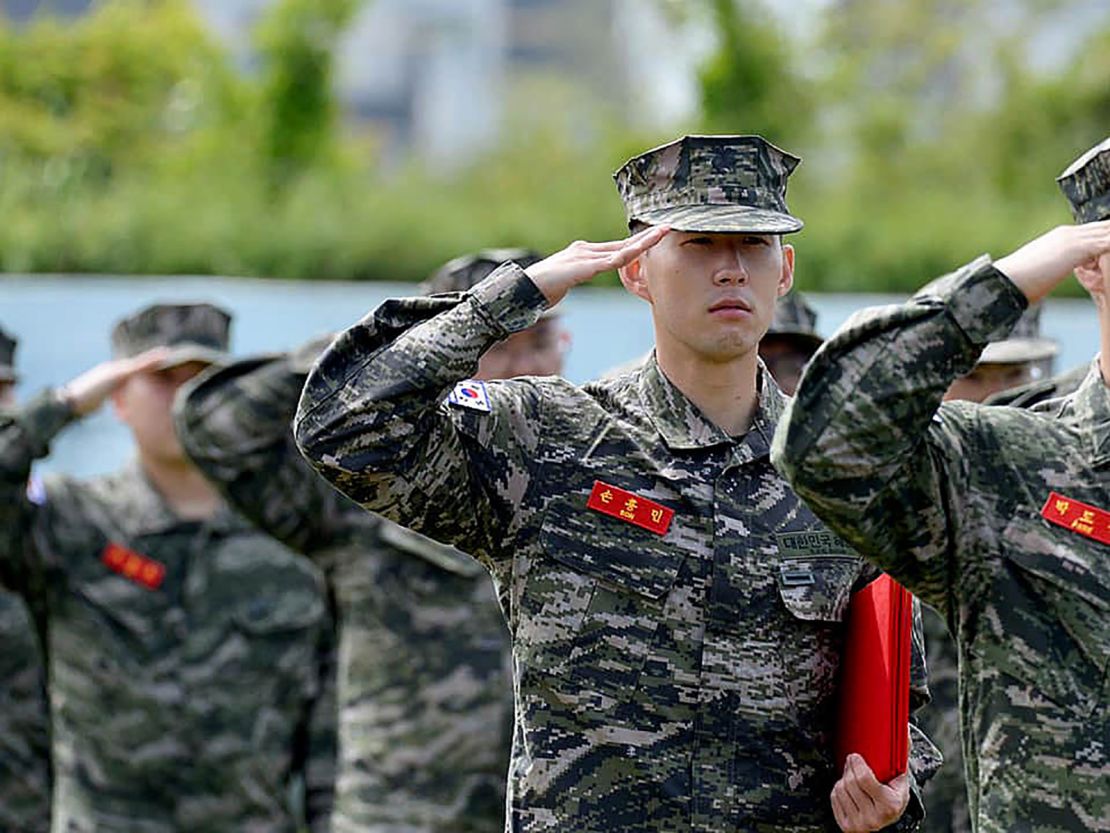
(130, 143)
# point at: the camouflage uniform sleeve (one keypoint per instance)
(236, 424)
(322, 737)
(866, 442)
(25, 435)
(373, 420)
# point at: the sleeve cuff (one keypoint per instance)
(43, 417)
(984, 302)
(508, 301)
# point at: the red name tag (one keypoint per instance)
(131, 565)
(1078, 517)
(609, 500)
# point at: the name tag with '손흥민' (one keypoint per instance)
(626, 506)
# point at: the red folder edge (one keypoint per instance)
(874, 707)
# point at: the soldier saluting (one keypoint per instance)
(190, 656)
(24, 720)
(675, 641)
(997, 517)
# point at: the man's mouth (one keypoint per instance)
(729, 307)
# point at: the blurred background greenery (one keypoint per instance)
(133, 142)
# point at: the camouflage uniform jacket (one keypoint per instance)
(677, 681)
(948, 498)
(946, 793)
(24, 722)
(425, 686)
(189, 678)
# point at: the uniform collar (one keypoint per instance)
(684, 427)
(1091, 409)
(143, 509)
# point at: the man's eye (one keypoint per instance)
(698, 241)
(753, 240)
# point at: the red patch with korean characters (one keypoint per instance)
(134, 566)
(617, 503)
(1087, 520)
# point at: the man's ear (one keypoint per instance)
(634, 279)
(786, 278)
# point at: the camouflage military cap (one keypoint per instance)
(710, 184)
(7, 357)
(796, 319)
(1086, 184)
(194, 332)
(1024, 344)
(463, 273)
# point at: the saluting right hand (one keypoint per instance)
(1038, 266)
(88, 391)
(580, 261)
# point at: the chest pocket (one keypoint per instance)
(135, 620)
(1052, 628)
(815, 590)
(818, 588)
(595, 602)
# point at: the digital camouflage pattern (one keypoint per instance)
(677, 681)
(710, 183)
(1026, 396)
(948, 499)
(1086, 184)
(24, 723)
(1023, 344)
(184, 697)
(946, 793)
(193, 332)
(425, 687)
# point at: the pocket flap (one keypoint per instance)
(818, 588)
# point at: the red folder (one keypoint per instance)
(875, 679)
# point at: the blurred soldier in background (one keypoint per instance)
(791, 340)
(1019, 359)
(1033, 393)
(998, 517)
(24, 720)
(189, 654)
(425, 686)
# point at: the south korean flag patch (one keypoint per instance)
(470, 394)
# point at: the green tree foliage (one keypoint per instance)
(751, 83)
(130, 144)
(297, 44)
(942, 134)
(115, 88)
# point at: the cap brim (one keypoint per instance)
(722, 218)
(1018, 350)
(186, 353)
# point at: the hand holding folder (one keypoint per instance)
(874, 708)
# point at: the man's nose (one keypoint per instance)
(731, 269)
